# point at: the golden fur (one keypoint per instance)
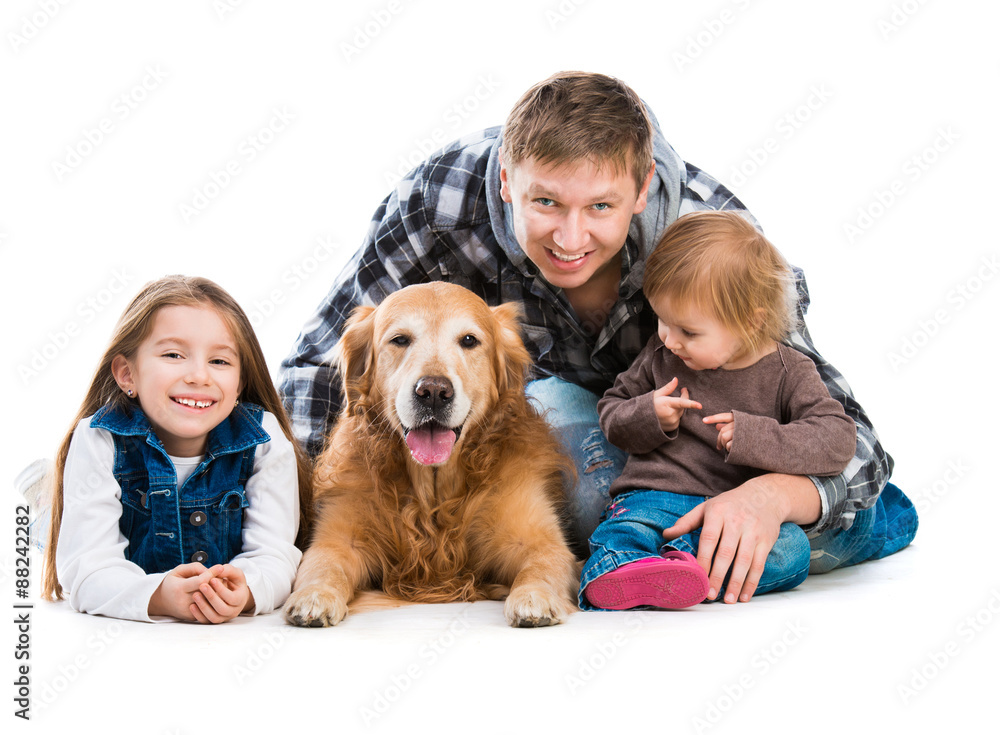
(476, 525)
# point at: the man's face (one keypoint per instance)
(572, 219)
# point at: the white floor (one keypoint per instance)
(869, 648)
(862, 136)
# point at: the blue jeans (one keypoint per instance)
(632, 529)
(572, 412)
(881, 530)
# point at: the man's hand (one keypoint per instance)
(739, 527)
(669, 409)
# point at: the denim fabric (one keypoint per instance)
(572, 412)
(202, 521)
(883, 529)
(879, 531)
(632, 529)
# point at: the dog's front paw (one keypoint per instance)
(528, 607)
(314, 607)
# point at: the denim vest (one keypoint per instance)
(202, 521)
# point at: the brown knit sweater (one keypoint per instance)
(785, 421)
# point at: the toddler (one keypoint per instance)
(714, 399)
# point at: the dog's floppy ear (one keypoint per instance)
(513, 359)
(355, 358)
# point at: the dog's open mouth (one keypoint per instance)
(431, 443)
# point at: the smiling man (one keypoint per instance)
(571, 220)
(558, 210)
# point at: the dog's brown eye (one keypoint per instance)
(400, 341)
(468, 341)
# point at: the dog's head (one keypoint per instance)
(431, 360)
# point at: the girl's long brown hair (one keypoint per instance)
(132, 329)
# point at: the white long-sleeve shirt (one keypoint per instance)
(90, 557)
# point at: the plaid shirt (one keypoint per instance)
(436, 226)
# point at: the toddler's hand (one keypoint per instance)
(726, 424)
(222, 597)
(669, 409)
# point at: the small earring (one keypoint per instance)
(237, 402)
(130, 392)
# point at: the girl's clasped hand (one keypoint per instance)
(192, 592)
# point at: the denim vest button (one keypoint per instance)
(152, 504)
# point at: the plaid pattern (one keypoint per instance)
(436, 226)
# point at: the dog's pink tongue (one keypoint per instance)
(430, 444)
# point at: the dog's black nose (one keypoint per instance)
(434, 391)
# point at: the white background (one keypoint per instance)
(861, 134)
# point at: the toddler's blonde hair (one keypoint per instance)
(717, 262)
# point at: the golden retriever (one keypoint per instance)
(440, 482)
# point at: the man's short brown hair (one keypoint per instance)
(575, 116)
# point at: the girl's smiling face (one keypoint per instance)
(186, 376)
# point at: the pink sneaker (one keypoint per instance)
(672, 581)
